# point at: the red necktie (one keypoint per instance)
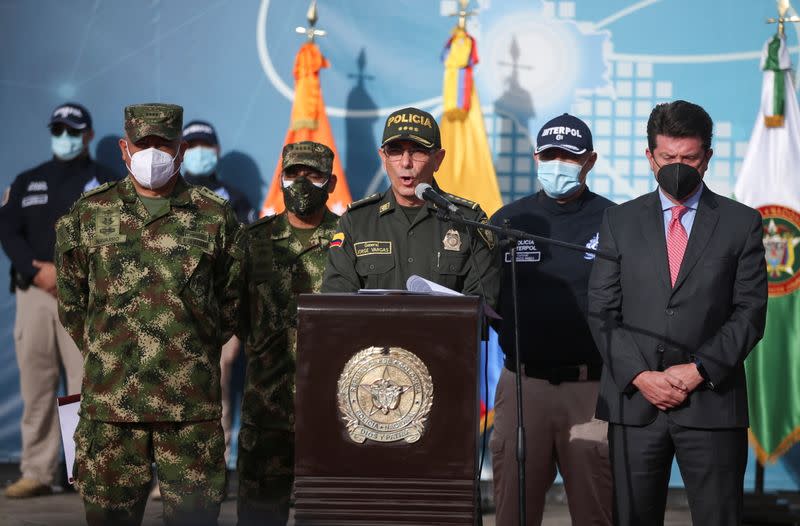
(676, 241)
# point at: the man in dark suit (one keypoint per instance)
(674, 318)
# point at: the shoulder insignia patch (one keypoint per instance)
(361, 202)
(211, 194)
(98, 190)
(337, 239)
(486, 235)
(263, 221)
(461, 201)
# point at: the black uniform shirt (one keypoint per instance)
(36, 199)
(239, 202)
(552, 281)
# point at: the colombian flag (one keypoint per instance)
(467, 170)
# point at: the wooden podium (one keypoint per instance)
(369, 368)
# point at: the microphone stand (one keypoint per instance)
(512, 235)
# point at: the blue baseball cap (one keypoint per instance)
(73, 115)
(566, 132)
(200, 131)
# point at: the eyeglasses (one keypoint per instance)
(57, 129)
(395, 153)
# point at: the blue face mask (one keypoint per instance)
(66, 147)
(559, 178)
(200, 160)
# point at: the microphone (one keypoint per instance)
(426, 192)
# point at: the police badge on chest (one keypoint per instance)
(452, 240)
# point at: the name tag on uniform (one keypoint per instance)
(35, 199)
(199, 239)
(367, 248)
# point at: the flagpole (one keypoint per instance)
(760, 507)
(783, 9)
(759, 489)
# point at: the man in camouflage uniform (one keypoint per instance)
(149, 274)
(286, 256)
(385, 238)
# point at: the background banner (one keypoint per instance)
(230, 62)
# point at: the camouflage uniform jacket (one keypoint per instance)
(278, 268)
(149, 300)
(377, 247)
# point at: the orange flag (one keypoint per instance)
(309, 122)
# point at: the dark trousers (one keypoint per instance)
(712, 464)
(266, 476)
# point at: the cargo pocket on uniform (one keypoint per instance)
(197, 291)
(373, 268)
(84, 438)
(451, 269)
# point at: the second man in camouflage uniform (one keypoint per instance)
(286, 256)
(148, 284)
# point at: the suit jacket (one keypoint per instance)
(716, 311)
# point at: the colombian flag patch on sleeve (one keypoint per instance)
(337, 239)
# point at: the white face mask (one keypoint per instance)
(152, 168)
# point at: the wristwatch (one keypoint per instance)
(702, 370)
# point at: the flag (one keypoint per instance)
(309, 122)
(492, 363)
(467, 170)
(769, 181)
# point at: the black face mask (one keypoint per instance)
(678, 180)
(303, 198)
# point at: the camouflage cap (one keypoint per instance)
(163, 120)
(308, 153)
(412, 124)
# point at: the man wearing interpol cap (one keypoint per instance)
(387, 237)
(149, 283)
(285, 256)
(560, 362)
(28, 213)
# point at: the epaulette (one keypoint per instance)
(98, 189)
(263, 221)
(461, 201)
(367, 200)
(211, 195)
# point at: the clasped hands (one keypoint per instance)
(670, 388)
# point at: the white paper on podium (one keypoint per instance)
(421, 285)
(68, 420)
(383, 292)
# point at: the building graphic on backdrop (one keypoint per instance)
(615, 99)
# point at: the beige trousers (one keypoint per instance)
(560, 432)
(43, 346)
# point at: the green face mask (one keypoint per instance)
(302, 197)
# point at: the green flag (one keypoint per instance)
(769, 180)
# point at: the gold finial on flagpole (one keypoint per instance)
(463, 14)
(311, 32)
(783, 8)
